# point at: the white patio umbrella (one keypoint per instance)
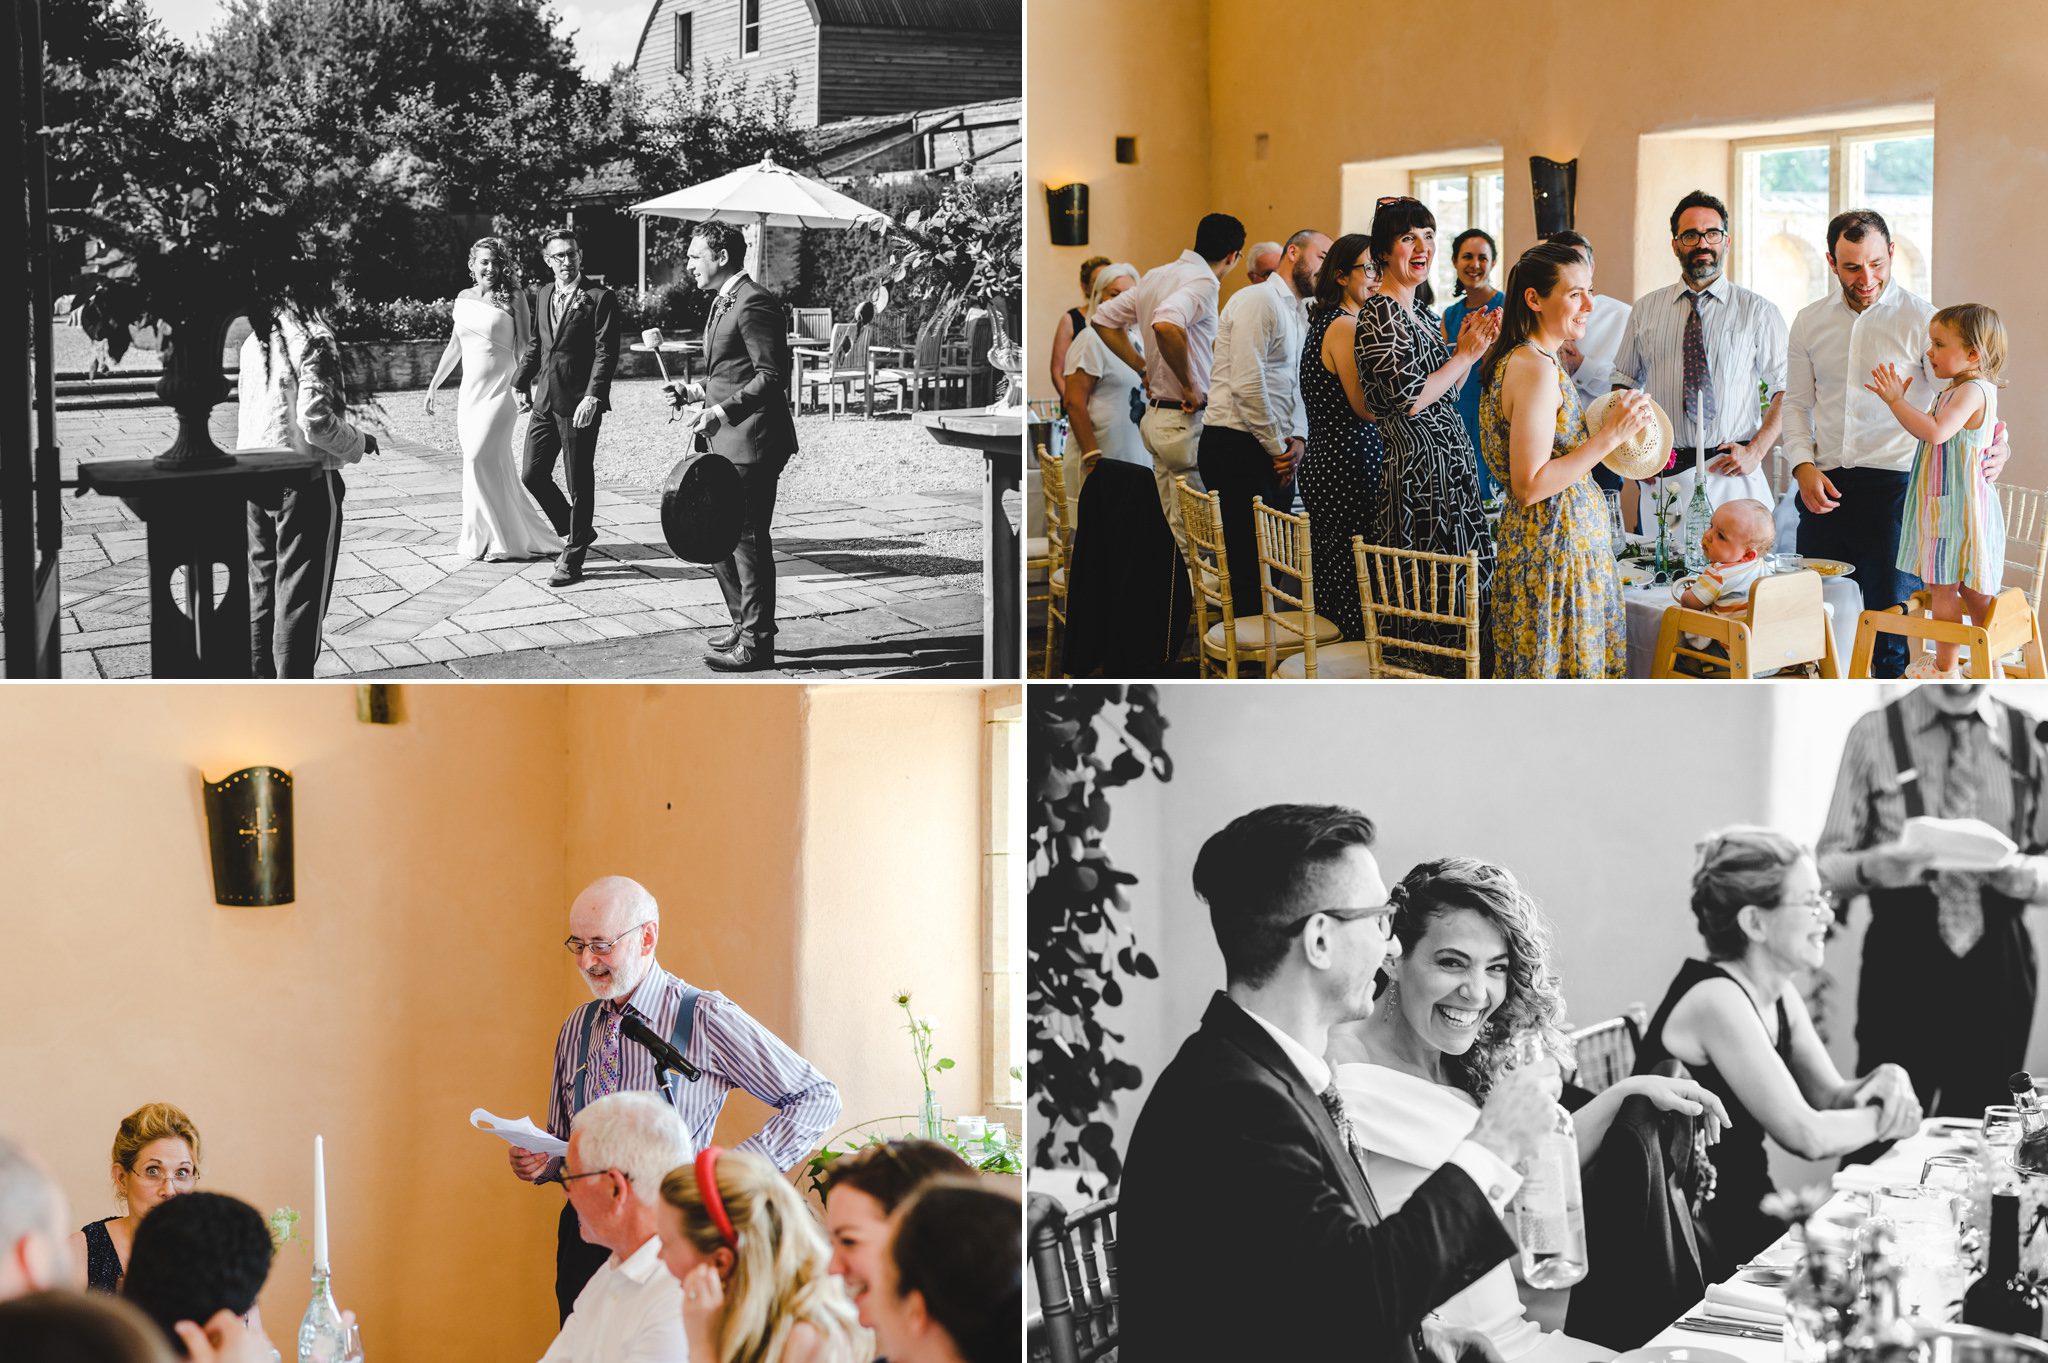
(766, 195)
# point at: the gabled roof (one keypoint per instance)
(989, 16)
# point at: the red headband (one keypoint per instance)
(707, 1185)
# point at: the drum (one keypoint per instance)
(702, 507)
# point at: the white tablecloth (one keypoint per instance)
(1646, 605)
(1900, 1165)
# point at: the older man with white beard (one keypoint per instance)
(613, 927)
(620, 1149)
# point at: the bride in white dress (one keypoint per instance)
(1473, 972)
(492, 328)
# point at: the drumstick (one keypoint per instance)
(651, 338)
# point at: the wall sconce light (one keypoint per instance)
(1067, 207)
(379, 704)
(249, 827)
(1555, 185)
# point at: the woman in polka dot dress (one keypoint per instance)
(1340, 475)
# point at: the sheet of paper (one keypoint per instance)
(1958, 844)
(518, 1131)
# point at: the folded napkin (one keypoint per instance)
(1746, 1301)
(1899, 1167)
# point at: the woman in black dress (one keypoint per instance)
(1340, 474)
(156, 1157)
(1410, 377)
(1738, 1022)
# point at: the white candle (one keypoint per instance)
(319, 1205)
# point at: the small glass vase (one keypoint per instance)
(931, 1120)
(1820, 1301)
(323, 1336)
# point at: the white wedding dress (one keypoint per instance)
(498, 519)
(1408, 1127)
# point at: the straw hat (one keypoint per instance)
(1642, 456)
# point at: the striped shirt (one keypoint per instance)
(1745, 337)
(1868, 808)
(731, 1048)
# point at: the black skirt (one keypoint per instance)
(1127, 585)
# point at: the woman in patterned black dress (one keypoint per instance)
(1340, 475)
(1410, 377)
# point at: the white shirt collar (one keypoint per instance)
(729, 285)
(1315, 1071)
(1192, 257)
(642, 1263)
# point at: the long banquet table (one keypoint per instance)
(1899, 1165)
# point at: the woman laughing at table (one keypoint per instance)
(1738, 1022)
(1473, 972)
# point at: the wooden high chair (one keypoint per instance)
(2009, 626)
(1787, 626)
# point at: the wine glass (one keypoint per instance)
(351, 1343)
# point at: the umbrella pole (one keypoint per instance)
(643, 251)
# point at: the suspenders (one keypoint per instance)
(2026, 785)
(679, 1037)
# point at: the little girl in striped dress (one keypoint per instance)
(1954, 534)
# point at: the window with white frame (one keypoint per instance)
(1460, 197)
(686, 45)
(1787, 188)
(750, 27)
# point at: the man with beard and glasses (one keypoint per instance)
(613, 926)
(1257, 425)
(1850, 455)
(1701, 347)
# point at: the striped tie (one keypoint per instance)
(607, 1058)
(1699, 381)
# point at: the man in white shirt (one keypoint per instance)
(1257, 425)
(1175, 308)
(1261, 261)
(1709, 335)
(1302, 918)
(631, 1311)
(1852, 458)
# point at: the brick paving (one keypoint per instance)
(406, 604)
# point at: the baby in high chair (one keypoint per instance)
(1735, 542)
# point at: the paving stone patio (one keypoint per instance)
(407, 605)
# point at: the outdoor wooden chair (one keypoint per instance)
(1289, 627)
(1073, 1258)
(813, 324)
(1218, 649)
(2010, 626)
(926, 368)
(2026, 552)
(1787, 627)
(1420, 588)
(1606, 1051)
(839, 366)
(1059, 543)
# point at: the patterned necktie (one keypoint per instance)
(1334, 1105)
(1699, 381)
(607, 1058)
(1959, 894)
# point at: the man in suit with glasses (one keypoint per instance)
(566, 379)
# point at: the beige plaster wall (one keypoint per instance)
(1333, 84)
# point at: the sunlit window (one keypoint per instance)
(1460, 197)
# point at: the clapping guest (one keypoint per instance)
(1473, 974)
(1073, 322)
(33, 1254)
(1738, 1022)
(861, 1191)
(1473, 253)
(952, 1287)
(1410, 374)
(1340, 471)
(620, 1149)
(1557, 608)
(753, 1266)
(195, 1257)
(156, 1157)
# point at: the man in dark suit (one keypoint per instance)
(746, 418)
(1245, 1225)
(566, 378)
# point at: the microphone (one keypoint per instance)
(666, 1057)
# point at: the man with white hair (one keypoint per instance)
(613, 927)
(1261, 261)
(35, 1251)
(620, 1149)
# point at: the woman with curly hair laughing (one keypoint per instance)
(1473, 974)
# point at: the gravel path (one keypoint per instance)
(842, 459)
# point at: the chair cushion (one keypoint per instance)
(1059, 581)
(1332, 660)
(1251, 633)
(1035, 547)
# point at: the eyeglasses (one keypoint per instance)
(184, 1176)
(1713, 236)
(597, 946)
(1383, 916)
(561, 257)
(1821, 904)
(596, 1173)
